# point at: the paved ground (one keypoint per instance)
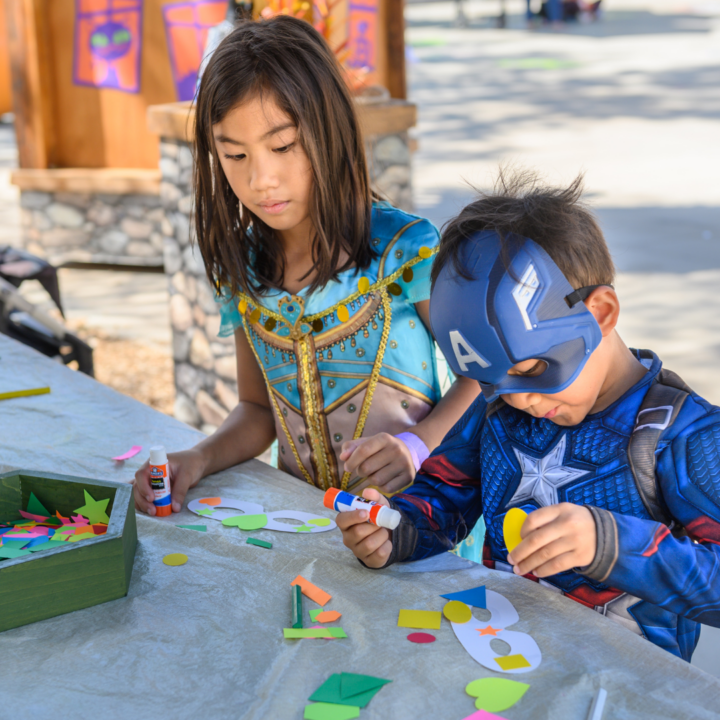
(633, 101)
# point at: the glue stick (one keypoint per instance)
(380, 515)
(160, 482)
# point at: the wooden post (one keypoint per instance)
(28, 49)
(395, 29)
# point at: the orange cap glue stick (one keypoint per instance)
(380, 515)
(160, 481)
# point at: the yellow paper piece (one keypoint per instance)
(175, 559)
(420, 619)
(457, 612)
(512, 662)
(24, 393)
(511, 527)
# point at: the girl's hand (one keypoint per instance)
(369, 543)
(185, 470)
(381, 460)
(555, 538)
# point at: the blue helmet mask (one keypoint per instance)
(515, 308)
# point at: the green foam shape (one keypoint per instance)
(315, 612)
(304, 528)
(35, 507)
(320, 522)
(246, 522)
(10, 553)
(206, 511)
(259, 543)
(495, 694)
(199, 528)
(94, 510)
(329, 711)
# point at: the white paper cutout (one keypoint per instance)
(249, 508)
(503, 614)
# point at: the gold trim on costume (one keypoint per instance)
(298, 411)
(358, 388)
(386, 252)
(404, 388)
(407, 374)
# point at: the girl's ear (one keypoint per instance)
(603, 303)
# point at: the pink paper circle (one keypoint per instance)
(421, 637)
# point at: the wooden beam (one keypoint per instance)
(32, 94)
(395, 38)
(114, 181)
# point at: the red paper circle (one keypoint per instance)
(421, 637)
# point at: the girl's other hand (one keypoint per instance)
(381, 460)
(369, 543)
(185, 470)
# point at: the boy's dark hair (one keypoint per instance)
(555, 218)
(287, 60)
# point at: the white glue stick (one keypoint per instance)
(160, 481)
(379, 515)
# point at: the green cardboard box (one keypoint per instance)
(58, 581)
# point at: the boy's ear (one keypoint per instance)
(603, 303)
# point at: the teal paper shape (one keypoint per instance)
(348, 689)
(35, 507)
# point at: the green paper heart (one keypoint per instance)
(495, 694)
(246, 522)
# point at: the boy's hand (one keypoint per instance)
(381, 460)
(370, 543)
(555, 538)
(185, 470)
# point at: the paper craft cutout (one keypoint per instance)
(83, 536)
(327, 616)
(94, 510)
(512, 662)
(315, 612)
(312, 591)
(30, 516)
(246, 522)
(421, 638)
(132, 452)
(475, 597)
(420, 619)
(175, 559)
(35, 507)
(478, 643)
(10, 553)
(259, 543)
(298, 633)
(598, 705)
(483, 715)
(320, 522)
(512, 524)
(456, 611)
(107, 49)
(225, 508)
(24, 393)
(297, 607)
(80, 520)
(349, 689)
(495, 694)
(199, 528)
(329, 711)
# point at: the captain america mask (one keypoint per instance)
(517, 306)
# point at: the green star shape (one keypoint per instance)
(94, 510)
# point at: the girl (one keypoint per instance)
(325, 290)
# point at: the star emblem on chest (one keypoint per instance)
(543, 477)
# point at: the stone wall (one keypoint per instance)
(205, 365)
(124, 229)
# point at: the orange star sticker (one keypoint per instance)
(489, 630)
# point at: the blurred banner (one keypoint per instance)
(108, 35)
(187, 25)
(363, 34)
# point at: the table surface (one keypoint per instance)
(205, 639)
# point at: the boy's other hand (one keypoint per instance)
(370, 543)
(185, 470)
(555, 538)
(381, 460)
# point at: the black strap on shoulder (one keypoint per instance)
(658, 411)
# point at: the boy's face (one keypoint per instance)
(568, 407)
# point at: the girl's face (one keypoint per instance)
(266, 166)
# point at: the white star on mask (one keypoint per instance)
(542, 477)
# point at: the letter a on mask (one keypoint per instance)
(465, 353)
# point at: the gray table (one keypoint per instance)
(204, 640)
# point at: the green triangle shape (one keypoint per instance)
(35, 507)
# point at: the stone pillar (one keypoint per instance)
(205, 365)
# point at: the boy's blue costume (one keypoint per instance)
(657, 566)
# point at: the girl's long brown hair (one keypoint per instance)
(288, 60)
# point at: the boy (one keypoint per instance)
(616, 460)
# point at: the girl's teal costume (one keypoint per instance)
(351, 359)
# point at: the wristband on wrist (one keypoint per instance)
(418, 449)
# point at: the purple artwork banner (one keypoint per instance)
(108, 44)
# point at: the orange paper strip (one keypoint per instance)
(328, 616)
(211, 501)
(312, 591)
